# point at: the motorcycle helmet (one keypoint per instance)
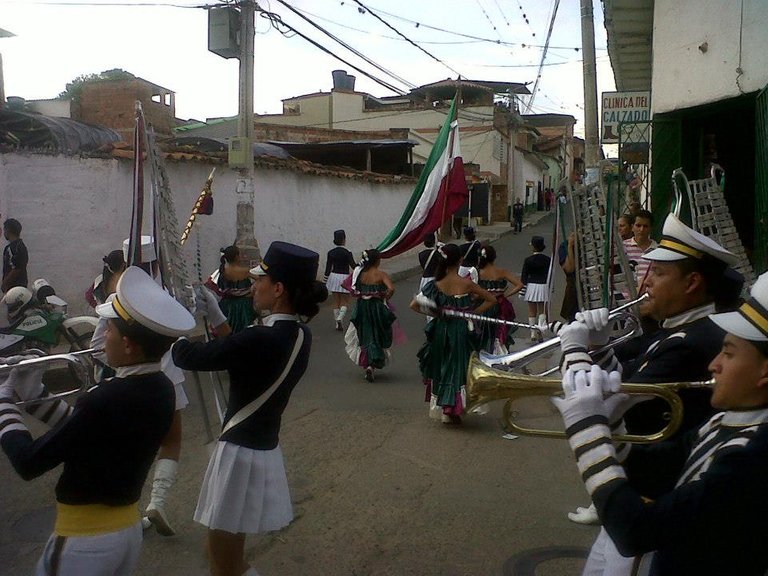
(41, 289)
(16, 300)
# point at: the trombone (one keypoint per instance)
(73, 359)
(486, 384)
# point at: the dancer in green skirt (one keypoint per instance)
(444, 357)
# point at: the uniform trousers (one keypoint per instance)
(110, 554)
(604, 559)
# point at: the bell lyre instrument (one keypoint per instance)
(486, 384)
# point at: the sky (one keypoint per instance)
(165, 42)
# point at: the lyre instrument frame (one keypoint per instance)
(486, 384)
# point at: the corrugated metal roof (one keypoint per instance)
(27, 130)
(629, 24)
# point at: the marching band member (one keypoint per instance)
(428, 259)
(501, 283)
(245, 490)
(338, 264)
(372, 324)
(108, 442)
(684, 280)
(694, 505)
(444, 357)
(534, 276)
(167, 463)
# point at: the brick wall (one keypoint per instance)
(111, 103)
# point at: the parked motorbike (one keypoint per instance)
(38, 319)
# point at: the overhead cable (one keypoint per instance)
(348, 47)
(395, 30)
(277, 21)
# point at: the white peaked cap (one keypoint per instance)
(140, 299)
(678, 241)
(148, 253)
(750, 321)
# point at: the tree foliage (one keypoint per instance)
(75, 88)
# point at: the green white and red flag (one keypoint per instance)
(440, 191)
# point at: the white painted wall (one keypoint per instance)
(75, 210)
(524, 171)
(683, 75)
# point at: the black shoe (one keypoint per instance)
(339, 326)
(369, 374)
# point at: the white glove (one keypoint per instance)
(583, 396)
(27, 383)
(208, 306)
(574, 342)
(598, 324)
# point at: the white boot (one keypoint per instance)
(337, 318)
(534, 333)
(340, 321)
(165, 477)
(542, 322)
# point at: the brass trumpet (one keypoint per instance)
(74, 359)
(486, 384)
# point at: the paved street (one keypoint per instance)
(378, 487)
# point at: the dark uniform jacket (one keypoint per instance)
(470, 252)
(107, 445)
(428, 260)
(535, 269)
(680, 352)
(16, 257)
(708, 502)
(254, 358)
(339, 260)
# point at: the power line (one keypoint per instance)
(318, 17)
(487, 17)
(348, 47)
(395, 30)
(277, 21)
(544, 52)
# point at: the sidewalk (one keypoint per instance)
(406, 264)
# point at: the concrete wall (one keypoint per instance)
(684, 75)
(75, 210)
(525, 171)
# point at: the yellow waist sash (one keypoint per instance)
(92, 519)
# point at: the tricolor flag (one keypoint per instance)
(440, 191)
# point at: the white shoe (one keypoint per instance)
(146, 523)
(585, 515)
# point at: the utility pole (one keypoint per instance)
(245, 239)
(591, 142)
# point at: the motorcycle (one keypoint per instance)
(37, 319)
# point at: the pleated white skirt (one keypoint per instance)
(536, 293)
(333, 284)
(244, 491)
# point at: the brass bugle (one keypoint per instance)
(518, 359)
(486, 384)
(72, 358)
